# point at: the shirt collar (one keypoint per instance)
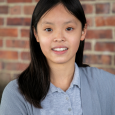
(75, 81)
(76, 77)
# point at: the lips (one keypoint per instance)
(59, 50)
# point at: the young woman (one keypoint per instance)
(56, 81)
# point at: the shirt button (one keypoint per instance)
(66, 98)
(69, 109)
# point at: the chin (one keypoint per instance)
(60, 61)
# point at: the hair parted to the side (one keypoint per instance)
(34, 82)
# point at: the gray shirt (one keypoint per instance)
(57, 101)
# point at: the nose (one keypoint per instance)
(59, 37)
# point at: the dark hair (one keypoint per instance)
(34, 82)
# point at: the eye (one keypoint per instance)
(69, 28)
(48, 29)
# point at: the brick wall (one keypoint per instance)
(15, 17)
(100, 40)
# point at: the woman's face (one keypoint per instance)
(59, 34)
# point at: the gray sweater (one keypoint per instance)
(97, 95)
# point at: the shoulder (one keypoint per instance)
(97, 75)
(89, 70)
(98, 80)
(12, 91)
(93, 71)
(12, 100)
(12, 85)
(12, 88)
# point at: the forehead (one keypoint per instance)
(58, 14)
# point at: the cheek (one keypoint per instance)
(45, 44)
(75, 39)
(75, 43)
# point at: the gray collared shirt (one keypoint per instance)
(97, 89)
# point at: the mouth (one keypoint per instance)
(61, 50)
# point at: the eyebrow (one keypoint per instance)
(71, 21)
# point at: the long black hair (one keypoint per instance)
(34, 82)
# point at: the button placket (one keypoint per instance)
(69, 107)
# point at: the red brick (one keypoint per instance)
(87, 46)
(8, 55)
(19, 21)
(17, 43)
(103, 8)
(105, 46)
(99, 34)
(28, 10)
(14, 66)
(8, 32)
(90, 21)
(27, 21)
(17, 1)
(113, 8)
(3, 9)
(15, 10)
(88, 8)
(1, 0)
(1, 43)
(1, 21)
(25, 33)
(105, 21)
(110, 70)
(25, 55)
(97, 59)
(14, 21)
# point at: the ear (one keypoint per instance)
(35, 34)
(84, 33)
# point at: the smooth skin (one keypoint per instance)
(52, 31)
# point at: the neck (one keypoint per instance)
(61, 75)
